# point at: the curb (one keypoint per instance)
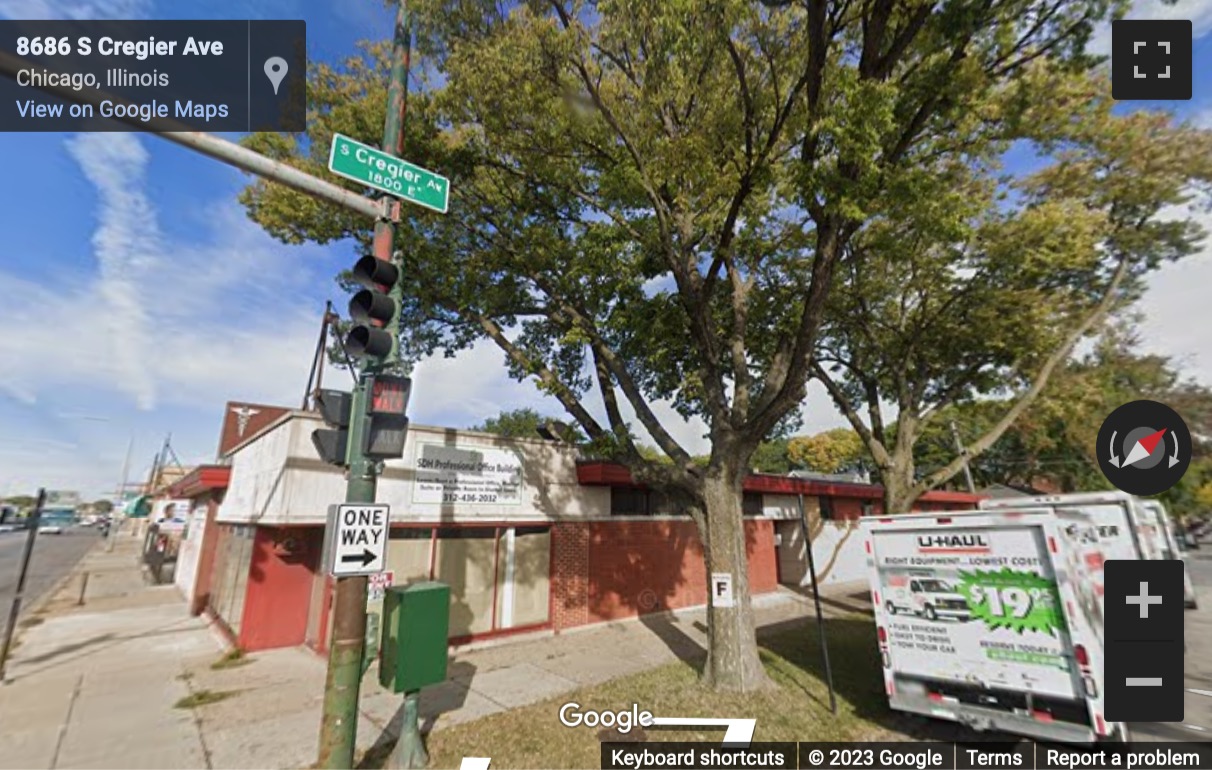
(51, 593)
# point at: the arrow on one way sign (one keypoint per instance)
(366, 557)
(358, 539)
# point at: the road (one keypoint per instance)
(1197, 706)
(54, 556)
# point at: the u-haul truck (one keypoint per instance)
(1131, 528)
(1023, 654)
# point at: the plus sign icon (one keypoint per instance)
(1151, 59)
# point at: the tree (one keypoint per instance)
(771, 457)
(1052, 443)
(521, 423)
(650, 201)
(829, 451)
(103, 506)
(995, 300)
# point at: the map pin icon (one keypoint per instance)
(275, 70)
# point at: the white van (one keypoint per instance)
(1171, 547)
(1131, 528)
(1024, 654)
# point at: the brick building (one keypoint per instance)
(529, 536)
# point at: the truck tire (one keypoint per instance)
(930, 613)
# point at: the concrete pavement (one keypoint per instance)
(103, 685)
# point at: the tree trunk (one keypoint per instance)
(733, 663)
(899, 491)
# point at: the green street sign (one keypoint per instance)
(375, 168)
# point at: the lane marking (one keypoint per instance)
(1205, 693)
(1195, 727)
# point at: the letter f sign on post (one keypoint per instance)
(359, 539)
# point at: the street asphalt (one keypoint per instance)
(54, 556)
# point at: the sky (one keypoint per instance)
(135, 297)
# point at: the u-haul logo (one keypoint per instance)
(952, 543)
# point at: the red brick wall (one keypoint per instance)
(847, 507)
(569, 575)
(608, 570)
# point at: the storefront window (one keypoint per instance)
(751, 504)
(826, 507)
(628, 501)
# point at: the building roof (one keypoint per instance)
(609, 474)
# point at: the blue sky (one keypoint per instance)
(127, 308)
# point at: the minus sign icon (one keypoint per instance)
(1143, 681)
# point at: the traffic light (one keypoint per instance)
(384, 431)
(372, 309)
(331, 443)
(387, 426)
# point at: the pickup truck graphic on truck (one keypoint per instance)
(928, 597)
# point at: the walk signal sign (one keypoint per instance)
(385, 429)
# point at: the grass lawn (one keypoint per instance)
(797, 710)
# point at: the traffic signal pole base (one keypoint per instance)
(409, 753)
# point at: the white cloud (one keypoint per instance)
(1175, 308)
(1198, 11)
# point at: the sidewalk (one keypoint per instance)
(97, 685)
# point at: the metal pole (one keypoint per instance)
(116, 515)
(338, 731)
(816, 599)
(15, 610)
(959, 447)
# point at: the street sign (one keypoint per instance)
(358, 543)
(374, 168)
(378, 585)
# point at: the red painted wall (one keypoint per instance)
(279, 589)
(204, 579)
(637, 567)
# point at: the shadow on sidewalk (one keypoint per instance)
(435, 701)
(97, 644)
(67, 648)
(687, 649)
(855, 605)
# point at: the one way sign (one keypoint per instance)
(359, 539)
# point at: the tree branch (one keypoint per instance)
(1039, 382)
(875, 446)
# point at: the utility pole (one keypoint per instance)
(338, 732)
(959, 447)
(15, 609)
(116, 515)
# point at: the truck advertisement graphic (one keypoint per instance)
(992, 619)
(973, 606)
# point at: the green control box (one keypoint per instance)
(416, 625)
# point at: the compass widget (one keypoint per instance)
(1144, 447)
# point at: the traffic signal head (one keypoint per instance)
(332, 443)
(373, 309)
